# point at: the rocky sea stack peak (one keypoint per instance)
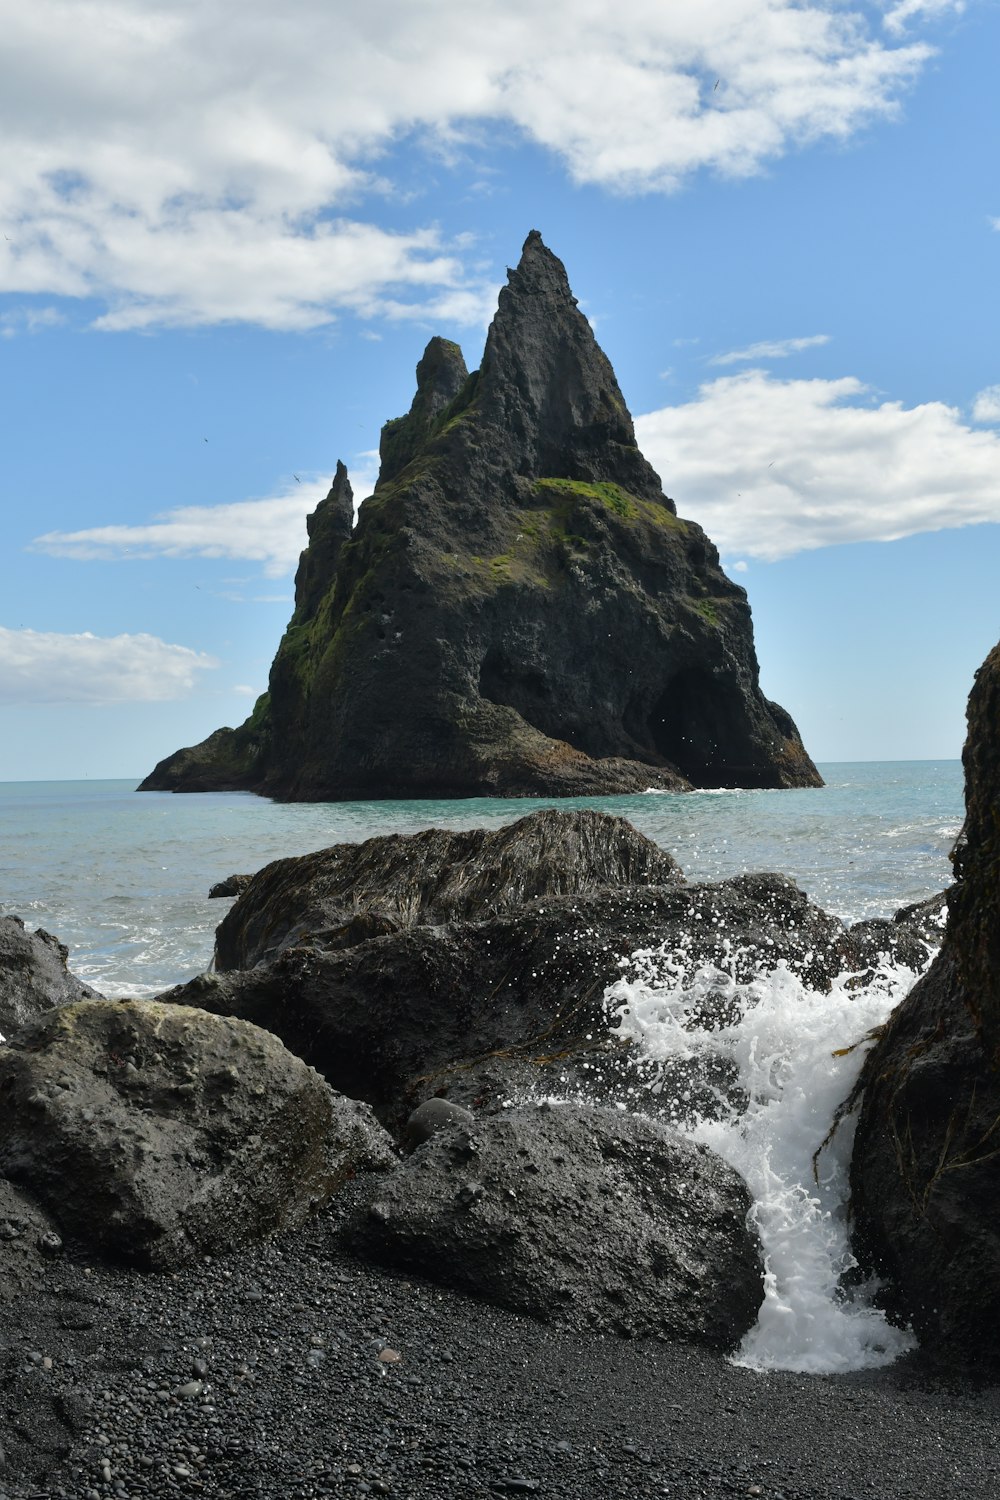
(518, 609)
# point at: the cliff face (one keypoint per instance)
(519, 609)
(925, 1175)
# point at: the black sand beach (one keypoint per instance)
(272, 1373)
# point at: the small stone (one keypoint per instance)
(390, 1356)
(190, 1389)
(434, 1115)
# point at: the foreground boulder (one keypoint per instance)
(33, 975)
(155, 1134)
(519, 608)
(926, 1168)
(586, 1218)
(339, 896)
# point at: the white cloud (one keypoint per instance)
(43, 667)
(811, 463)
(270, 531)
(770, 349)
(898, 16)
(191, 164)
(986, 407)
(28, 320)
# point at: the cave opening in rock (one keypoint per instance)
(698, 724)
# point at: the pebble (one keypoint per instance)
(190, 1389)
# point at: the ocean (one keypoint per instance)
(123, 880)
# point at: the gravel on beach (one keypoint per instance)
(292, 1371)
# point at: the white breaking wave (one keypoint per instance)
(796, 1053)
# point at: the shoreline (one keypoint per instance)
(259, 1374)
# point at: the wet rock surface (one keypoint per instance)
(33, 975)
(518, 610)
(926, 1166)
(338, 897)
(233, 885)
(260, 1375)
(155, 1134)
(585, 1218)
(510, 1000)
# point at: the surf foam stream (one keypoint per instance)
(785, 1050)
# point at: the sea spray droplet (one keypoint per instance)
(788, 1046)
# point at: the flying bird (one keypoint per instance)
(297, 479)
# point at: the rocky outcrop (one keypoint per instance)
(155, 1135)
(926, 1167)
(33, 975)
(585, 1218)
(519, 608)
(485, 979)
(339, 896)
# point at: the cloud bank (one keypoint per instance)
(270, 531)
(193, 164)
(774, 467)
(43, 667)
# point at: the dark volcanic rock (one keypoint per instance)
(465, 1008)
(233, 885)
(33, 975)
(28, 1242)
(926, 1166)
(519, 608)
(155, 1134)
(908, 938)
(340, 896)
(586, 1218)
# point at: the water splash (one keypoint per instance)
(793, 1055)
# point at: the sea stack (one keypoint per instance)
(518, 609)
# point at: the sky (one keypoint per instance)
(229, 230)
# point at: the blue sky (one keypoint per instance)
(229, 230)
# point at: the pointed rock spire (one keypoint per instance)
(329, 527)
(441, 374)
(549, 386)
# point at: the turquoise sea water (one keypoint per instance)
(122, 877)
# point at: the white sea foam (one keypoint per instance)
(798, 1053)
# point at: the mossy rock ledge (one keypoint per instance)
(518, 609)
